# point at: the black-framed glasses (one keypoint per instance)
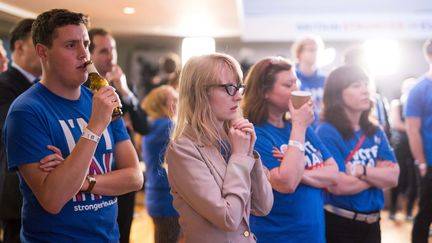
(231, 89)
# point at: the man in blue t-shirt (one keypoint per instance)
(75, 201)
(418, 113)
(305, 51)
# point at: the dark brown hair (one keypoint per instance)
(260, 79)
(95, 32)
(21, 31)
(333, 110)
(45, 26)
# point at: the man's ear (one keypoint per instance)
(18, 44)
(41, 51)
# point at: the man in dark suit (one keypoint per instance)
(24, 71)
(103, 53)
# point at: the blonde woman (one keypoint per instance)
(160, 106)
(216, 178)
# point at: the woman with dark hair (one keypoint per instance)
(300, 166)
(366, 161)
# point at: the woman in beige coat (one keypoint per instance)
(216, 178)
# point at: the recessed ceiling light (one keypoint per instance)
(129, 10)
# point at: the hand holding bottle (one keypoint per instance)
(105, 100)
(97, 82)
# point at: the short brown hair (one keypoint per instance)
(95, 32)
(333, 104)
(21, 31)
(260, 79)
(45, 26)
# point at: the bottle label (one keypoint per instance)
(91, 68)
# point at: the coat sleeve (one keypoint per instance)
(192, 181)
(262, 192)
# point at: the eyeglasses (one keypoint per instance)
(231, 89)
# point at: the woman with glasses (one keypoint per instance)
(365, 159)
(217, 179)
(300, 166)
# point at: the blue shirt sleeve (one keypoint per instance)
(318, 143)
(264, 146)
(415, 102)
(119, 131)
(333, 142)
(25, 138)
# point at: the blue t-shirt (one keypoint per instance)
(295, 217)
(158, 197)
(419, 105)
(39, 118)
(314, 84)
(375, 147)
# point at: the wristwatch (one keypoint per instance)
(297, 144)
(92, 182)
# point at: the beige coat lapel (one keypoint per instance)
(214, 160)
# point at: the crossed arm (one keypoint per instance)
(54, 187)
(384, 175)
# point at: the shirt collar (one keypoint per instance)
(30, 77)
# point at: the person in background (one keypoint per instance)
(25, 70)
(408, 178)
(75, 201)
(300, 166)
(160, 105)
(4, 60)
(103, 52)
(216, 178)
(306, 51)
(418, 120)
(169, 68)
(365, 159)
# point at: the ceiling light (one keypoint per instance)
(129, 10)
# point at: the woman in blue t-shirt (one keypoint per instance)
(160, 106)
(366, 161)
(300, 166)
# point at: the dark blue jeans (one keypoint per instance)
(343, 230)
(422, 221)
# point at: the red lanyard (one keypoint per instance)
(359, 143)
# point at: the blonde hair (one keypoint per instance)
(299, 45)
(155, 103)
(194, 108)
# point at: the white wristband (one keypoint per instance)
(297, 144)
(87, 134)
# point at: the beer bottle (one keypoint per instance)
(97, 82)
